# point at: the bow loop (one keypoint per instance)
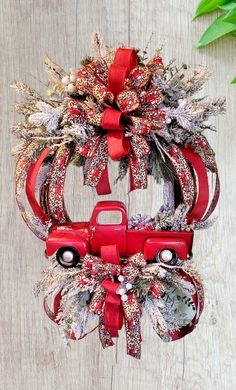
(151, 99)
(157, 118)
(155, 65)
(98, 269)
(99, 69)
(137, 260)
(140, 125)
(138, 78)
(128, 100)
(89, 84)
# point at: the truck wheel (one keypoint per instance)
(167, 256)
(68, 257)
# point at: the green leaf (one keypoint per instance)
(216, 30)
(228, 6)
(233, 33)
(230, 17)
(206, 6)
(233, 81)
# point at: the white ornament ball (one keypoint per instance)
(124, 298)
(72, 78)
(128, 286)
(122, 291)
(67, 257)
(65, 80)
(166, 255)
(121, 278)
(71, 88)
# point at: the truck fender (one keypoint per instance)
(56, 241)
(154, 245)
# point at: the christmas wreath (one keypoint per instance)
(119, 106)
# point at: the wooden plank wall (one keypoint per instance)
(32, 355)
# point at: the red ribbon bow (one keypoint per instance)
(124, 100)
(99, 276)
(106, 300)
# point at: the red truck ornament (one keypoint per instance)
(71, 241)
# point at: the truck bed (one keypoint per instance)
(135, 239)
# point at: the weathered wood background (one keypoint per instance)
(31, 352)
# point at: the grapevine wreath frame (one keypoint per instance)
(118, 106)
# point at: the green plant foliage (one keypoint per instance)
(228, 6)
(206, 6)
(230, 17)
(216, 30)
(222, 25)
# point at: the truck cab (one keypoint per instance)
(104, 232)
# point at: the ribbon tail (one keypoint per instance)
(97, 302)
(138, 162)
(133, 338)
(103, 187)
(104, 334)
(137, 173)
(96, 174)
(113, 314)
(118, 145)
(132, 313)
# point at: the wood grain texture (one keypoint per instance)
(32, 355)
